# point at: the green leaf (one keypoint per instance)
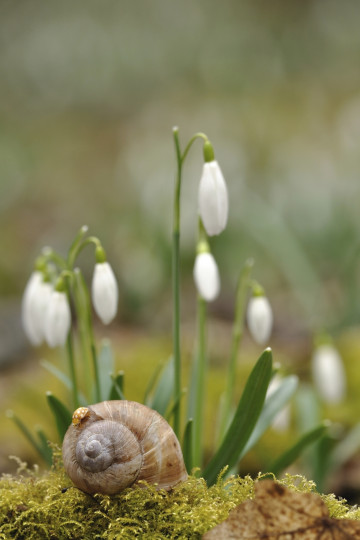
(44, 441)
(288, 457)
(38, 445)
(151, 385)
(106, 368)
(188, 444)
(170, 411)
(117, 388)
(62, 415)
(272, 406)
(57, 373)
(164, 389)
(347, 447)
(245, 418)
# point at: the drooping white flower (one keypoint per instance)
(34, 307)
(213, 198)
(328, 373)
(58, 319)
(104, 292)
(259, 318)
(206, 276)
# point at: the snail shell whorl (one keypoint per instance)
(119, 443)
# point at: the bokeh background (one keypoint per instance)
(89, 93)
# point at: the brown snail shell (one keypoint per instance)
(113, 445)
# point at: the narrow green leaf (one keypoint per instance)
(272, 406)
(170, 411)
(117, 388)
(57, 373)
(188, 445)
(151, 385)
(164, 389)
(307, 408)
(28, 435)
(44, 442)
(288, 457)
(106, 368)
(245, 418)
(347, 447)
(62, 415)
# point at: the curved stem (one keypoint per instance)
(51, 256)
(176, 270)
(73, 253)
(198, 135)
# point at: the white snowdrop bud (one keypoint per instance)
(259, 318)
(58, 319)
(104, 292)
(329, 374)
(213, 198)
(34, 306)
(206, 276)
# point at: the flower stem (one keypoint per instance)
(200, 376)
(176, 285)
(70, 354)
(176, 271)
(237, 334)
(83, 308)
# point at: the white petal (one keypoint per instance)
(206, 276)
(28, 309)
(329, 374)
(213, 199)
(104, 292)
(58, 319)
(259, 318)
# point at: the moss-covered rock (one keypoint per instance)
(47, 506)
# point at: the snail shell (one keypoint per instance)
(113, 445)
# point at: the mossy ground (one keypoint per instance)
(46, 506)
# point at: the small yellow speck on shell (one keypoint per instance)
(79, 415)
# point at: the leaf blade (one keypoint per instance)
(62, 415)
(245, 418)
(290, 455)
(273, 404)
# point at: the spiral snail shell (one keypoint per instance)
(113, 445)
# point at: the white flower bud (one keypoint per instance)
(206, 276)
(34, 306)
(259, 318)
(104, 292)
(58, 319)
(213, 199)
(329, 374)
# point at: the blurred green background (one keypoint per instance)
(89, 92)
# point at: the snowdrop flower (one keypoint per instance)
(259, 318)
(34, 306)
(213, 195)
(206, 276)
(328, 373)
(104, 288)
(58, 318)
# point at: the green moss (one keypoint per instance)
(46, 506)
